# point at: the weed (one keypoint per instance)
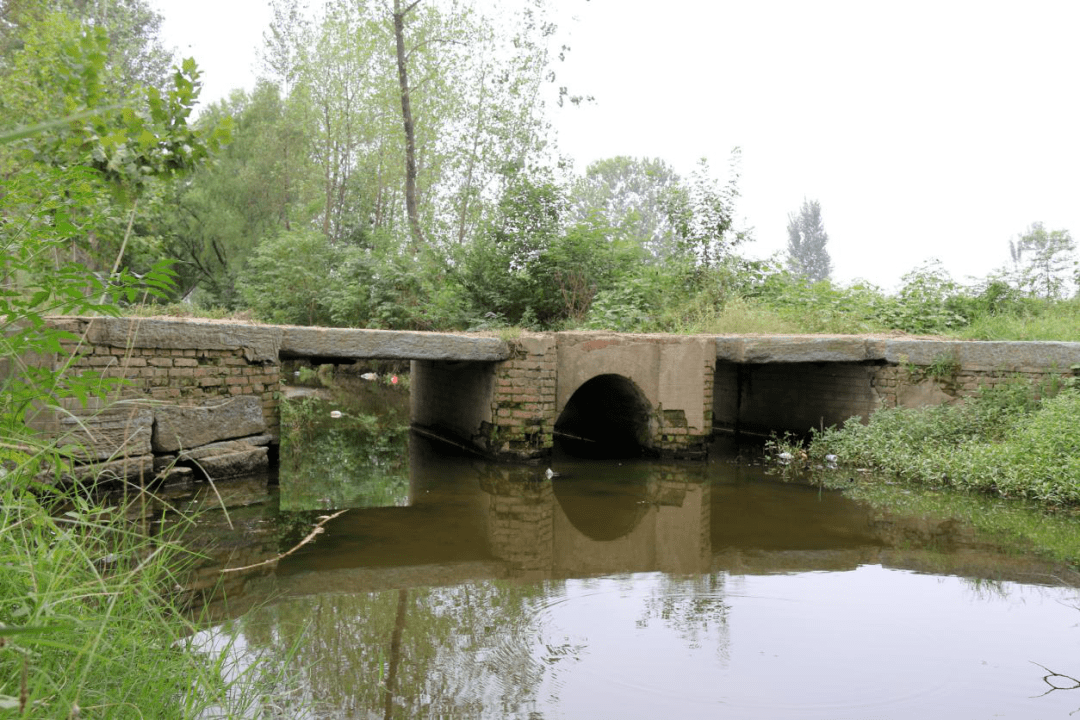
(944, 367)
(1006, 441)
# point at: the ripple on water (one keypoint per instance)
(860, 644)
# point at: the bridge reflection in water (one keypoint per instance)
(619, 589)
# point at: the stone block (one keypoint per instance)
(178, 427)
(121, 430)
(227, 459)
(390, 345)
(134, 469)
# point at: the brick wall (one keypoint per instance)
(905, 385)
(183, 376)
(519, 519)
(451, 398)
(523, 401)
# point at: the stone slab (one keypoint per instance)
(114, 432)
(218, 448)
(996, 355)
(225, 462)
(178, 427)
(972, 354)
(348, 343)
(133, 469)
(260, 343)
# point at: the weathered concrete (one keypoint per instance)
(797, 382)
(974, 355)
(452, 399)
(350, 344)
(792, 396)
(179, 427)
(674, 375)
(260, 343)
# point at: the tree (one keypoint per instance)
(411, 207)
(646, 202)
(1040, 258)
(129, 140)
(807, 256)
(134, 56)
(634, 197)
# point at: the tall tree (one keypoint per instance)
(807, 256)
(633, 196)
(1040, 258)
(646, 202)
(411, 206)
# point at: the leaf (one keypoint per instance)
(11, 631)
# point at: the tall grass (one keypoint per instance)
(1046, 320)
(90, 622)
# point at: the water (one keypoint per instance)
(457, 588)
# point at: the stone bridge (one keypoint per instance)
(508, 397)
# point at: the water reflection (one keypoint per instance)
(640, 590)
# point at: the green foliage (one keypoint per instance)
(1044, 260)
(526, 267)
(287, 278)
(635, 198)
(807, 256)
(88, 626)
(1005, 441)
(1033, 319)
(354, 460)
(116, 143)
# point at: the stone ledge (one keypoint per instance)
(178, 426)
(348, 343)
(1009, 356)
(260, 343)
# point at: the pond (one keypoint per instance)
(454, 587)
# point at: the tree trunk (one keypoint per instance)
(407, 120)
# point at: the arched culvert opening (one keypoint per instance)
(608, 416)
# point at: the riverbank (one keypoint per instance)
(1018, 441)
(91, 625)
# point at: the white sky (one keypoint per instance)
(926, 129)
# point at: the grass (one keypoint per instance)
(90, 623)
(187, 310)
(1017, 526)
(1007, 442)
(1052, 321)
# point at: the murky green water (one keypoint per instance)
(458, 588)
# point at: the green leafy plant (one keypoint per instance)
(1008, 441)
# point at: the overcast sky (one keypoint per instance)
(925, 129)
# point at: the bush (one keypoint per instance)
(1004, 441)
(288, 278)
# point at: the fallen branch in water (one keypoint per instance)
(310, 536)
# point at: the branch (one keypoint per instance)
(310, 536)
(422, 43)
